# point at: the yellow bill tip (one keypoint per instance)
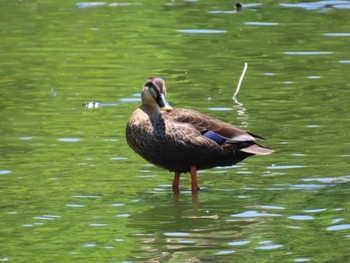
(166, 108)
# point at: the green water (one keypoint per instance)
(72, 191)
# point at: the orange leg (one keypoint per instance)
(194, 183)
(176, 182)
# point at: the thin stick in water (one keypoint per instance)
(240, 81)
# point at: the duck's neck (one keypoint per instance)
(152, 110)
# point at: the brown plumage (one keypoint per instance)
(177, 139)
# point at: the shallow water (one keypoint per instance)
(72, 190)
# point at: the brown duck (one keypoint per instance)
(183, 140)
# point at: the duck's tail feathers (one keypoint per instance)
(257, 149)
(256, 136)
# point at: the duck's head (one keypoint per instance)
(153, 94)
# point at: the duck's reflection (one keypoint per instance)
(176, 197)
(177, 230)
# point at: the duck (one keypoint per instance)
(185, 140)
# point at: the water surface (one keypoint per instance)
(72, 190)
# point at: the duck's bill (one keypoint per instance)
(163, 103)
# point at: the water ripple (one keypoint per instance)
(25, 138)
(177, 234)
(69, 139)
(337, 34)
(87, 196)
(337, 220)
(89, 245)
(118, 158)
(306, 53)
(338, 227)
(89, 4)
(314, 210)
(116, 205)
(97, 4)
(318, 5)
(74, 205)
(306, 186)
(285, 166)
(344, 6)
(261, 23)
(339, 179)
(271, 207)
(123, 215)
(222, 12)
(301, 260)
(42, 218)
(220, 109)
(201, 31)
(225, 252)
(97, 224)
(254, 214)
(301, 217)
(130, 99)
(186, 241)
(239, 243)
(267, 247)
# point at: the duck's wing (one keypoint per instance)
(201, 123)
